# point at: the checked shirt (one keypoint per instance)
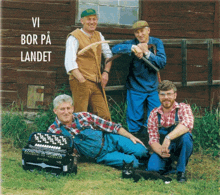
(86, 120)
(185, 116)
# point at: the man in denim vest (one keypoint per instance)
(169, 128)
(105, 141)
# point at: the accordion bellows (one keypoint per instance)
(50, 152)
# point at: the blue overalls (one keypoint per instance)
(180, 149)
(108, 148)
(135, 109)
(141, 83)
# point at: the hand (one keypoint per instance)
(135, 140)
(143, 47)
(165, 152)
(138, 52)
(164, 155)
(104, 79)
(82, 80)
(165, 145)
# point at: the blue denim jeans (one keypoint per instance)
(118, 148)
(180, 150)
(135, 108)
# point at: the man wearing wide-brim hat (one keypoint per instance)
(85, 80)
(142, 81)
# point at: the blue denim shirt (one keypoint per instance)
(141, 77)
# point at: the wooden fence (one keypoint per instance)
(184, 43)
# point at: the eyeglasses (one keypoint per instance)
(166, 94)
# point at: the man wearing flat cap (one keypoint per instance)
(85, 81)
(142, 81)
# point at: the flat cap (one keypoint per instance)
(88, 12)
(140, 24)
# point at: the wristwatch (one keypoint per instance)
(106, 71)
(168, 137)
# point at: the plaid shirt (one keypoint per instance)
(86, 120)
(185, 117)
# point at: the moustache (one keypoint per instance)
(166, 100)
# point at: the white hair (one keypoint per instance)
(62, 98)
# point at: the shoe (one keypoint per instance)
(181, 177)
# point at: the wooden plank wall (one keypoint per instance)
(17, 20)
(167, 19)
(187, 20)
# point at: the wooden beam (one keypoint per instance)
(210, 58)
(178, 41)
(184, 62)
(178, 84)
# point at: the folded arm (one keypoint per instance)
(159, 59)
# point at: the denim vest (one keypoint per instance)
(88, 142)
(163, 131)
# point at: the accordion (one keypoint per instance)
(50, 152)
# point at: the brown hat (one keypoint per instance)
(140, 24)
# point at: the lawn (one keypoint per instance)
(94, 179)
(202, 172)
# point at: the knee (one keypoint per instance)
(142, 152)
(153, 166)
(154, 163)
(186, 139)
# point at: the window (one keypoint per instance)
(112, 12)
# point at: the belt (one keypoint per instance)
(103, 140)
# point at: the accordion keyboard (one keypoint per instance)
(52, 152)
(50, 141)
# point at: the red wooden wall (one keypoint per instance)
(167, 19)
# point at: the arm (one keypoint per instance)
(186, 124)
(108, 126)
(78, 75)
(154, 135)
(177, 132)
(105, 74)
(125, 133)
(160, 58)
(157, 148)
(107, 54)
(127, 48)
(123, 48)
(98, 123)
(71, 66)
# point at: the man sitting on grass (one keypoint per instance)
(105, 141)
(169, 128)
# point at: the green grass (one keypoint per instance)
(202, 171)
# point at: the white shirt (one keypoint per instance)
(72, 45)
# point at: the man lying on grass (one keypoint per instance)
(105, 141)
